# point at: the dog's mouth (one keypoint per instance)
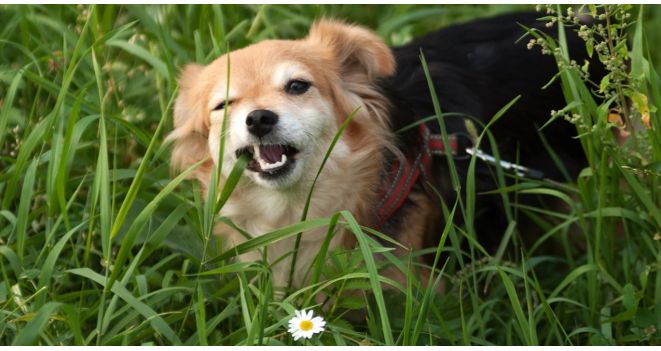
(269, 160)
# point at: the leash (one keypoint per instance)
(404, 173)
(519, 170)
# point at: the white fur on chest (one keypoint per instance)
(260, 211)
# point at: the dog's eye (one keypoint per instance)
(297, 87)
(222, 105)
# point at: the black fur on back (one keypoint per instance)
(477, 68)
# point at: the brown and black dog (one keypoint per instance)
(287, 99)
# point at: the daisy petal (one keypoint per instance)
(304, 324)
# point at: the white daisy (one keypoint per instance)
(304, 325)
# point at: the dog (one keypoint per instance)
(287, 99)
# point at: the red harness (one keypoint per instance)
(404, 173)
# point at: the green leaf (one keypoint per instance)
(603, 85)
(142, 219)
(516, 307)
(269, 238)
(24, 208)
(8, 101)
(373, 274)
(629, 298)
(137, 181)
(593, 10)
(29, 334)
(150, 315)
(143, 54)
(50, 262)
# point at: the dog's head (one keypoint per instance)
(284, 103)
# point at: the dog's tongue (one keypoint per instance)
(271, 153)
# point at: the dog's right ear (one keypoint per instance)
(191, 124)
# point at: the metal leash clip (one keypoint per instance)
(519, 170)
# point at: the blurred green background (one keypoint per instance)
(82, 92)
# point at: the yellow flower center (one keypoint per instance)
(306, 325)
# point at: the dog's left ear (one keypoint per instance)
(191, 125)
(356, 49)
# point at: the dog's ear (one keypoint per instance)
(191, 125)
(356, 49)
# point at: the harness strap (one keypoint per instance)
(404, 174)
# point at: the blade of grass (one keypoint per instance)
(150, 315)
(456, 184)
(200, 317)
(51, 260)
(373, 274)
(29, 334)
(8, 101)
(143, 217)
(43, 128)
(101, 188)
(304, 215)
(642, 195)
(516, 307)
(431, 287)
(143, 54)
(24, 209)
(137, 181)
(67, 155)
(270, 238)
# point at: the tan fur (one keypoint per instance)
(343, 62)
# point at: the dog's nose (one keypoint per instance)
(261, 122)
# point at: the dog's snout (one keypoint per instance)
(261, 122)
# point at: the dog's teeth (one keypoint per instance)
(266, 166)
(255, 151)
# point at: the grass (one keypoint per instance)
(100, 245)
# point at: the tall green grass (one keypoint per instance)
(101, 245)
